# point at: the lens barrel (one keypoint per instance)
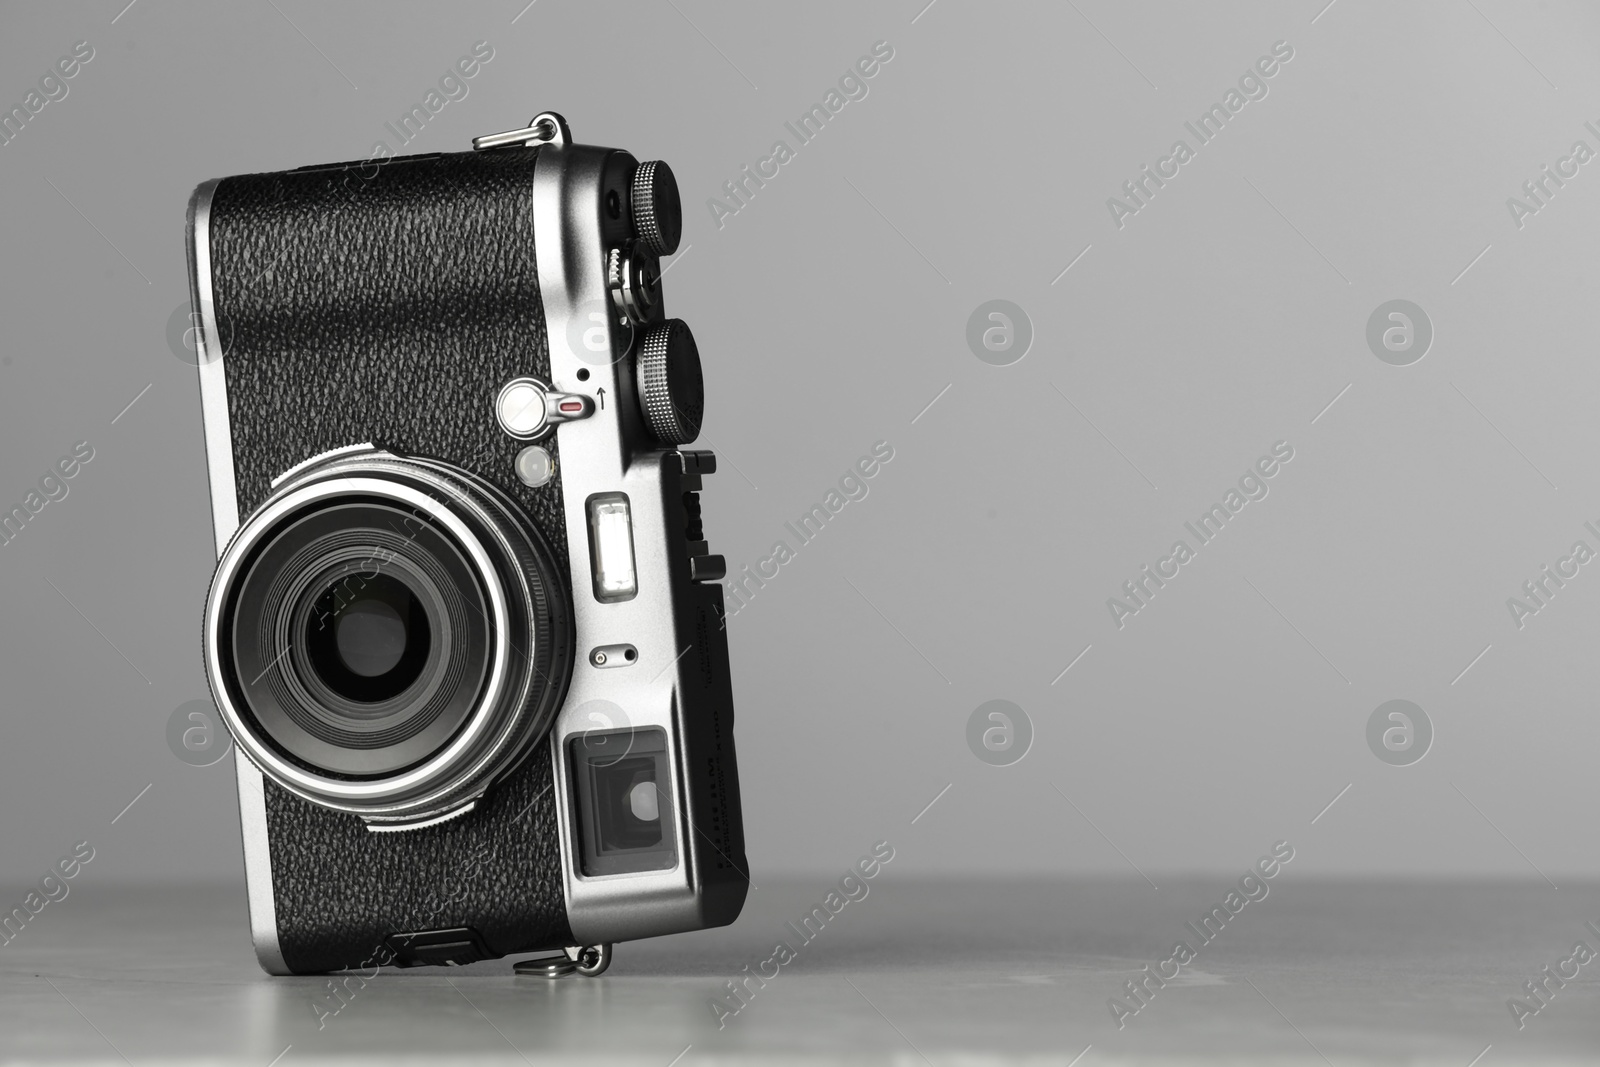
(387, 635)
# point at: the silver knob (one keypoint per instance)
(527, 408)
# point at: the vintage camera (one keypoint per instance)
(468, 635)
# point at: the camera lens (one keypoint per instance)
(369, 643)
(387, 634)
(359, 638)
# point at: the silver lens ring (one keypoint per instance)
(521, 609)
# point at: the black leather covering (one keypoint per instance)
(389, 304)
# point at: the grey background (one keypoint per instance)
(830, 311)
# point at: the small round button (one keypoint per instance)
(535, 466)
(657, 211)
(671, 389)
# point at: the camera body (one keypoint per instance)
(465, 627)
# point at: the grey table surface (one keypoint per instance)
(916, 972)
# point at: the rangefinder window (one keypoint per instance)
(624, 802)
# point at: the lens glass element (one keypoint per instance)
(368, 638)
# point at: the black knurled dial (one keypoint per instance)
(671, 389)
(657, 211)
